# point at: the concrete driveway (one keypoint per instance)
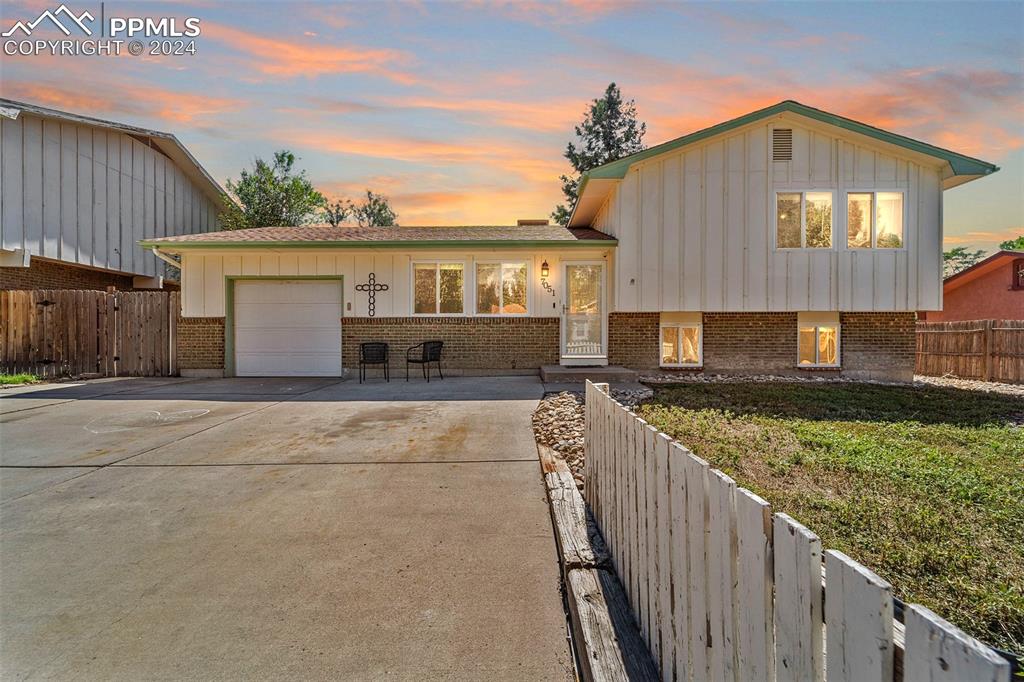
(270, 528)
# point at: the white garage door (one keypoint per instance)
(287, 327)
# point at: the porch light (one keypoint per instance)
(544, 269)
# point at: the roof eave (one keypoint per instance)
(421, 244)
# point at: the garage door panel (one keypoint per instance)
(325, 315)
(277, 340)
(287, 328)
(286, 291)
(286, 365)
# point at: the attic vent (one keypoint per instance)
(782, 144)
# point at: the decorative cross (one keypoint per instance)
(371, 288)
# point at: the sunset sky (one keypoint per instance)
(459, 112)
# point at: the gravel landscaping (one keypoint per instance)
(558, 423)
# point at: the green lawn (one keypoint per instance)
(925, 486)
(14, 379)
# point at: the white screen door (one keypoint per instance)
(583, 335)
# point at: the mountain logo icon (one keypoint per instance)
(54, 18)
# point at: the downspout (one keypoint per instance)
(164, 257)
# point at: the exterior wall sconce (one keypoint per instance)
(544, 269)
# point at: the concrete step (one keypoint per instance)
(560, 374)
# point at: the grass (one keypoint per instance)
(15, 379)
(925, 486)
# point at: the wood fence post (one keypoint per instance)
(987, 357)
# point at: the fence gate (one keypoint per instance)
(54, 333)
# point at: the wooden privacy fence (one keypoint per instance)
(989, 350)
(723, 589)
(69, 333)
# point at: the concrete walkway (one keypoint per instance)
(259, 528)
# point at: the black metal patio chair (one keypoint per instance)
(423, 354)
(373, 353)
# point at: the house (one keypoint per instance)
(991, 289)
(788, 240)
(79, 193)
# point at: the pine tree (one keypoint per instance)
(609, 131)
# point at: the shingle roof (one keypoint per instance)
(325, 235)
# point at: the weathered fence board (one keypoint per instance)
(988, 350)
(859, 610)
(53, 333)
(721, 589)
(937, 651)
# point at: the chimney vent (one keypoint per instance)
(523, 222)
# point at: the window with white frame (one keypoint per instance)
(437, 288)
(874, 220)
(682, 338)
(803, 220)
(818, 339)
(501, 288)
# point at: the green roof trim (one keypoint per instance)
(961, 164)
(411, 245)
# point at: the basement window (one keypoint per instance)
(682, 339)
(818, 339)
(874, 220)
(437, 288)
(803, 220)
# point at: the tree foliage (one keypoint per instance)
(270, 194)
(1013, 244)
(373, 211)
(959, 258)
(609, 131)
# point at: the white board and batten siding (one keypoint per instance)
(87, 194)
(723, 590)
(696, 226)
(203, 275)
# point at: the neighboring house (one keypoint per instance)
(785, 241)
(991, 289)
(78, 194)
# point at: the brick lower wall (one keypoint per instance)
(872, 345)
(487, 343)
(634, 339)
(200, 342)
(44, 274)
(878, 345)
(750, 343)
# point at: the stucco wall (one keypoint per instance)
(989, 297)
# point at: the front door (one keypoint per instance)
(584, 339)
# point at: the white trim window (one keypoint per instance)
(803, 220)
(502, 288)
(874, 220)
(682, 340)
(438, 288)
(818, 339)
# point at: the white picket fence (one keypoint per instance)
(723, 589)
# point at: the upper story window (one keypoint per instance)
(803, 220)
(437, 288)
(501, 289)
(874, 220)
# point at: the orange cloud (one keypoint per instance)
(178, 108)
(990, 238)
(308, 57)
(543, 115)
